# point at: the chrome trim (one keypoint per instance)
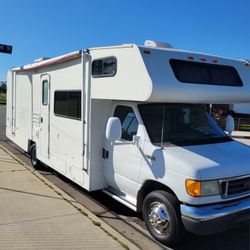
(234, 178)
(158, 217)
(227, 180)
(226, 189)
(211, 212)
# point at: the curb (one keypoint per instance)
(124, 242)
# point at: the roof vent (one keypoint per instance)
(41, 59)
(155, 44)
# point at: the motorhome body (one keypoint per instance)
(58, 110)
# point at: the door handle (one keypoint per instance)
(41, 119)
(105, 153)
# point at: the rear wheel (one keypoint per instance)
(161, 214)
(34, 161)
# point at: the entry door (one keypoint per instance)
(45, 116)
(123, 160)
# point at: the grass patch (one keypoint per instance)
(2, 98)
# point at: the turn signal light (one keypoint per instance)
(193, 188)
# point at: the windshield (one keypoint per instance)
(180, 124)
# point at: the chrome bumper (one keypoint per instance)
(215, 218)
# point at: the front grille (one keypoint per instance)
(237, 186)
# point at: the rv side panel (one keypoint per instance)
(100, 113)
(66, 123)
(131, 80)
(19, 108)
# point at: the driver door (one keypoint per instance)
(124, 158)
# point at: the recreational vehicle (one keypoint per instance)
(131, 120)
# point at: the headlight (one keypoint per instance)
(202, 188)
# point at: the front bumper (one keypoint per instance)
(216, 218)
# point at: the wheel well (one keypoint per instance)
(148, 187)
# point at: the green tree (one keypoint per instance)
(3, 87)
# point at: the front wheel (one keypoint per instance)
(161, 214)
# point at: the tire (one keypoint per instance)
(34, 161)
(161, 214)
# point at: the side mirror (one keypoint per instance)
(113, 129)
(229, 124)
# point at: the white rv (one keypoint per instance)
(243, 108)
(129, 120)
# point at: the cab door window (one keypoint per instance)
(128, 121)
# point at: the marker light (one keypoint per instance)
(214, 61)
(203, 59)
(190, 57)
(148, 52)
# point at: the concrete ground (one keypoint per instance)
(34, 214)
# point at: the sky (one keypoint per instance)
(49, 28)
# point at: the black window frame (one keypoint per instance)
(130, 109)
(103, 75)
(66, 115)
(176, 65)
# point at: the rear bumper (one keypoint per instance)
(215, 218)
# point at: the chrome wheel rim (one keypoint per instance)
(159, 218)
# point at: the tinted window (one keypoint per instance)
(68, 104)
(74, 104)
(204, 73)
(180, 124)
(45, 93)
(104, 67)
(128, 121)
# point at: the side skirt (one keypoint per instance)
(120, 200)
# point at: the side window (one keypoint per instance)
(105, 67)
(45, 93)
(128, 121)
(68, 104)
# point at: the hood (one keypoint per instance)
(210, 161)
